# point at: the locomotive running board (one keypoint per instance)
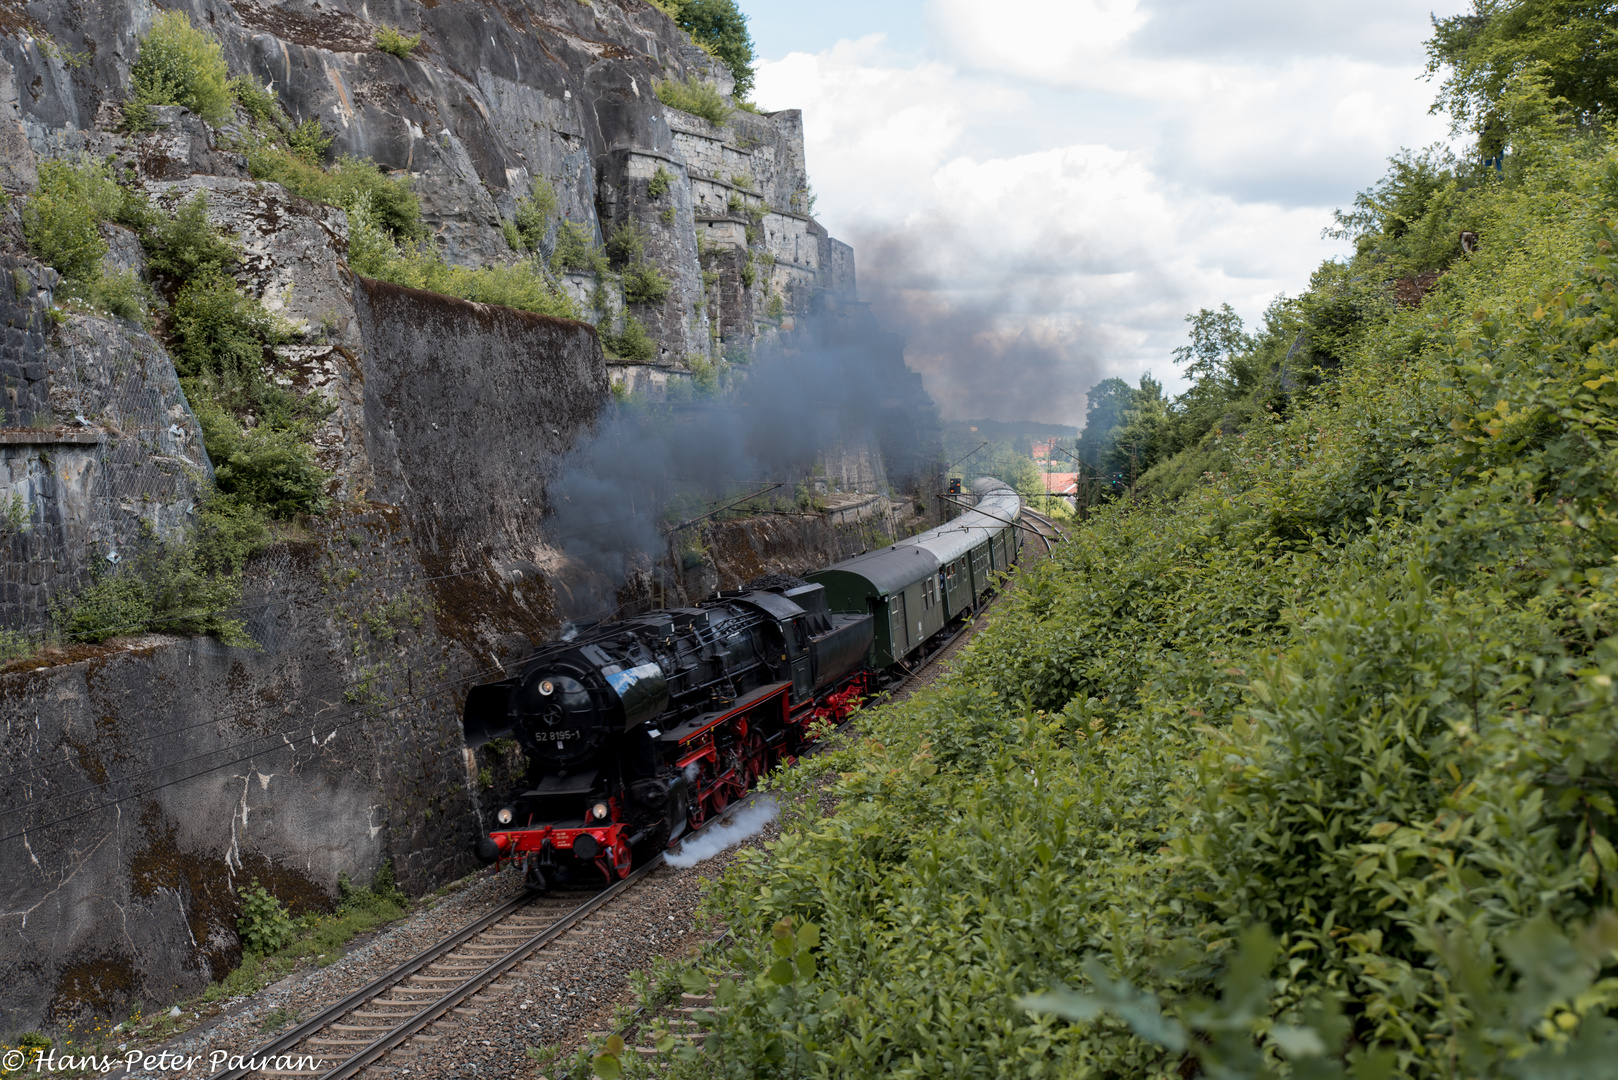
(691, 729)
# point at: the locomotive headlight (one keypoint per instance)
(599, 811)
(547, 688)
(503, 815)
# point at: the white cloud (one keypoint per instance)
(1039, 203)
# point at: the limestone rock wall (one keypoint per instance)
(97, 444)
(495, 97)
(154, 777)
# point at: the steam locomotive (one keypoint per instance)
(640, 730)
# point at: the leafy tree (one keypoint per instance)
(1105, 406)
(1218, 343)
(1574, 42)
(721, 29)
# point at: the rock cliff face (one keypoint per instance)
(143, 781)
(495, 97)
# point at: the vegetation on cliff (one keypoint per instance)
(1307, 772)
(720, 29)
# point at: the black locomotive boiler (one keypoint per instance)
(639, 730)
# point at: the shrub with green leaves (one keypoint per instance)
(531, 223)
(61, 222)
(576, 250)
(634, 343)
(60, 219)
(185, 585)
(644, 283)
(178, 64)
(522, 285)
(270, 465)
(292, 160)
(626, 245)
(390, 40)
(187, 247)
(695, 97)
(308, 141)
(221, 333)
(264, 925)
(256, 101)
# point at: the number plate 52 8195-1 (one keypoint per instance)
(561, 735)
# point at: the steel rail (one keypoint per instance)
(1055, 528)
(402, 1034)
(378, 986)
(379, 1048)
(1042, 537)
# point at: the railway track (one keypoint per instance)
(477, 964)
(1046, 529)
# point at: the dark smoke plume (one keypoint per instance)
(651, 465)
(995, 338)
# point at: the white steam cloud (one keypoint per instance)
(747, 822)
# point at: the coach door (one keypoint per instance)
(898, 626)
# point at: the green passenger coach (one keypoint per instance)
(917, 587)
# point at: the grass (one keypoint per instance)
(696, 98)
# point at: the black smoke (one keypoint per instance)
(838, 382)
(997, 335)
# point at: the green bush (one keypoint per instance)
(1307, 773)
(391, 41)
(644, 283)
(220, 333)
(531, 224)
(390, 202)
(188, 248)
(178, 64)
(627, 244)
(61, 224)
(658, 185)
(264, 925)
(256, 101)
(634, 343)
(308, 142)
(694, 97)
(191, 585)
(60, 218)
(121, 293)
(576, 250)
(270, 465)
(522, 285)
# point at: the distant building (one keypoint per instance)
(1061, 483)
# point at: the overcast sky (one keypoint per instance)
(1038, 195)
